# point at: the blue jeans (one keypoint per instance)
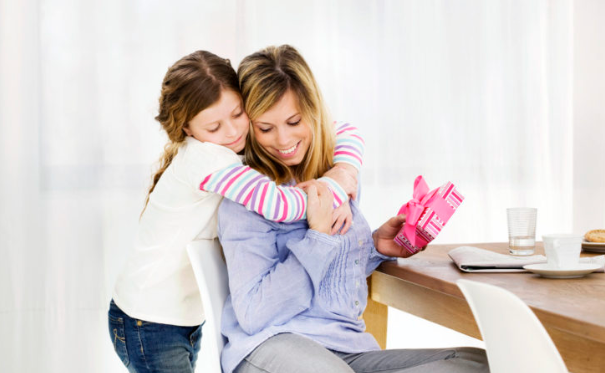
(150, 347)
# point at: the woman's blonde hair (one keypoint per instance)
(264, 78)
(192, 84)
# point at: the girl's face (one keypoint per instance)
(223, 123)
(282, 132)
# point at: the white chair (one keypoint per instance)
(515, 340)
(211, 276)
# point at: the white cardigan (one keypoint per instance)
(157, 283)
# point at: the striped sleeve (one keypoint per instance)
(258, 193)
(350, 146)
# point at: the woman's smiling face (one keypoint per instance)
(282, 132)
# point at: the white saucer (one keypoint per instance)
(595, 247)
(545, 270)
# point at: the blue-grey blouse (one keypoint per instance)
(286, 278)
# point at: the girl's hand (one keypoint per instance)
(346, 176)
(319, 208)
(342, 216)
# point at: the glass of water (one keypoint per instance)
(522, 230)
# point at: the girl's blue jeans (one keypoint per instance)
(150, 347)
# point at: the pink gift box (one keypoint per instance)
(426, 214)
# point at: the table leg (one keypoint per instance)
(376, 317)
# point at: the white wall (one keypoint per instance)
(589, 115)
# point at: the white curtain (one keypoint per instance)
(476, 92)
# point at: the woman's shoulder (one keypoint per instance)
(230, 209)
(234, 217)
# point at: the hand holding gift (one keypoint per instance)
(426, 214)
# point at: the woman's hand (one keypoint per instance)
(346, 176)
(383, 238)
(342, 217)
(319, 207)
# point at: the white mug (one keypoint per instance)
(562, 250)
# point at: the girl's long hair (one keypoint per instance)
(264, 78)
(192, 84)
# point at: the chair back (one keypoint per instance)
(211, 276)
(515, 340)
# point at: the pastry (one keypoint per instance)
(595, 235)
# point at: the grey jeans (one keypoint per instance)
(291, 353)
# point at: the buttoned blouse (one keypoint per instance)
(286, 278)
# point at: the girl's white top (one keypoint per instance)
(157, 283)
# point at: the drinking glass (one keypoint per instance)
(522, 230)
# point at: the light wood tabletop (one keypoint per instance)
(571, 310)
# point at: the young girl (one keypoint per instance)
(156, 313)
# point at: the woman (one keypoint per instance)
(298, 293)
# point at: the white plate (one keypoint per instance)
(595, 247)
(545, 270)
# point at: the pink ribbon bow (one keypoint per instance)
(422, 198)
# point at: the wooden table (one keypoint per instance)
(571, 310)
